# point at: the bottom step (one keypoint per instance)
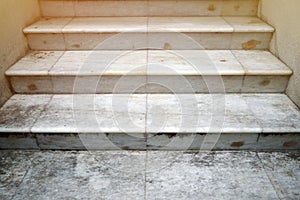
(150, 121)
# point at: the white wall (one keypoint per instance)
(14, 16)
(284, 15)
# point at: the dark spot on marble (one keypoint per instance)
(211, 7)
(167, 46)
(125, 148)
(169, 135)
(251, 44)
(237, 144)
(237, 7)
(76, 45)
(32, 87)
(223, 60)
(294, 155)
(264, 82)
(290, 144)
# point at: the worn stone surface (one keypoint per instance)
(207, 176)
(148, 175)
(283, 170)
(150, 8)
(13, 168)
(84, 175)
(21, 111)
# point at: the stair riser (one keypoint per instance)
(156, 84)
(130, 41)
(186, 141)
(149, 8)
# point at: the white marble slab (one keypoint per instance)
(149, 8)
(35, 63)
(100, 63)
(48, 25)
(188, 24)
(106, 25)
(111, 8)
(91, 175)
(248, 24)
(193, 62)
(20, 113)
(283, 170)
(107, 114)
(227, 113)
(57, 8)
(274, 112)
(46, 41)
(261, 62)
(203, 175)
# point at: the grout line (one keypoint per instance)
(25, 175)
(244, 68)
(278, 190)
(42, 111)
(145, 176)
(62, 31)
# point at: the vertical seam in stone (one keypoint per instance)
(21, 182)
(245, 71)
(145, 176)
(50, 76)
(43, 110)
(63, 34)
(275, 186)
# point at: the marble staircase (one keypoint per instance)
(149, 74)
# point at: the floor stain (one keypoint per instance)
(264, 82)
(290, 144)
(167, 46)
(237, 7)
(211, 7)
(32, 87)
(251, 44)
(237, 144)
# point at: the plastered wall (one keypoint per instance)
(284, 15)
(14, 16)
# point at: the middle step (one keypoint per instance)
(119, 33)
(149, 71)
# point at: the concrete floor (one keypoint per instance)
(149, 175)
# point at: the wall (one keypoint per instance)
(284, 15)
(14, 16)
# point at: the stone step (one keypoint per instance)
(150, 121)
(119, 33)
(149, 71)
(92, 8)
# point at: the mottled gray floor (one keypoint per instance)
(148, 175)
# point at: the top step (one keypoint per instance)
(139, 8)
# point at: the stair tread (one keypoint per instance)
(148, 24)
(149, 62)
(150, 113)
